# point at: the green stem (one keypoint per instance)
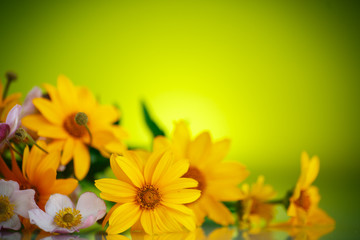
(88, 130)
(31, 140)
(14, 149)
(276, 201)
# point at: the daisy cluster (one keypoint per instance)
(61, 137)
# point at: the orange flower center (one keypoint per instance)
(148, 197)
(73, 128)
(196, 174)
(304, 200)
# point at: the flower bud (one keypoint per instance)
(11, 76)
(20, 134)
(81, 118)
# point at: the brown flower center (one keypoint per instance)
(304, 200)
(73, 128)
(196, 174)
(148, 197)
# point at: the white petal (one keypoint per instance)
(13, 223)
(13, 119)
(90, 205)
(24, 201)
(8, 187)
(42, 220)
(56, 203)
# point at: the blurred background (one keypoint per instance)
(277, 77)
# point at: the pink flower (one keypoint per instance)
(14, 202)
(60, 215)
(28, 106)
(13, 122)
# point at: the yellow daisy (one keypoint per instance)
(56, 121)
(149, 194)
(303, 208)
(254, 209)
(218, 180)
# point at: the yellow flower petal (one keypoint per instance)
(181, 196)
(199, 149)
(181, 139)
(48, 110)
(132, 171)
(123, 218)
(115, 190)
(67, 93)
(179, 184)
(68, 151)
(81, 160)
(217, 211)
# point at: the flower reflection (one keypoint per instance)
(307, 233)
(63, 237)
(10, 235)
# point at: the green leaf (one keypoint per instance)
(151, 124)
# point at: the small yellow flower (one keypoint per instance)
(59, 120)
(8, 103)
(149, 193)
(303, 208)
(218, 180)
(39, 173)
(254, 209)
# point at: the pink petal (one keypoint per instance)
(57, 202)
(12, 223)
(24, 201)
(88, 222)
(13, 119)
(4, 131)
(90, 205)
(8, 187)
(28, 106)
(42, 220)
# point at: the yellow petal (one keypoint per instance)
(177, 170)
(68, 151)
(179, 207)
(161, 143)
(115, 190)
(147, 222)
(224, 192)
(218, 151)
(187, 221)
(151, 164)
(49, 110)
(181, 139)
(200, 148)
(81, 160)
(178, 184)
(53, 131)
(64, 186)
(181, 196)
(123, 218)
(165, 162)
(25, 160)
(67, 93)
(117, 170)
(217, 211)
(131, 170)
(312, 171)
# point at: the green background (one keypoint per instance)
(277, 77)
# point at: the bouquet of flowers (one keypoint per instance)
(61, 146)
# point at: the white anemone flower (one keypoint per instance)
(14, 203)
(61, 216)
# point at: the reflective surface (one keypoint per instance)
(205, 233)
